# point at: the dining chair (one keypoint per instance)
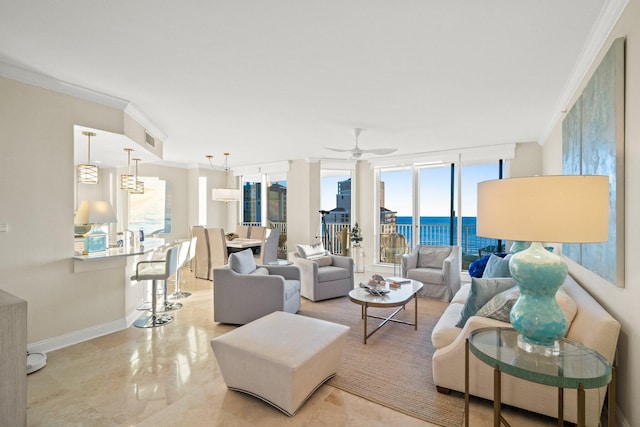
(269, 247)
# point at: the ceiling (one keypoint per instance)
(282, 79)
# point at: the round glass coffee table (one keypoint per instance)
(574, 367)
(397, 297)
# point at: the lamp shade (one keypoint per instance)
(225, 194)
(561, 209)
(95, 212)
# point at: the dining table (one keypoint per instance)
(243, 243)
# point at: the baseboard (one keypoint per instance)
(82, 335)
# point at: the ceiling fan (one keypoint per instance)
(357, 152)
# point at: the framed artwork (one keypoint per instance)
(593, 144)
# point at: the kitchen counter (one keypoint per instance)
(149, 245)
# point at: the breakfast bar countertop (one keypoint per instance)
(148, 245)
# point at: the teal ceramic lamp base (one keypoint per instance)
(536, 314)
(95, 240)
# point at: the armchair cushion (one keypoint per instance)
(427, 275)
(260, 271)
(324, 261)
(311, 251)
(330, 273)
(242, 262)
(432, 257)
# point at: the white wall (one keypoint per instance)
(622, 303)
(37, 202)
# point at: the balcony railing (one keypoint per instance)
(472, 245)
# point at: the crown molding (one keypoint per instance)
(609, 16)
(139, 116)
(33, 78)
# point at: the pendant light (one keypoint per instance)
(225, 194)
(139, 184)
(88, 173)
(128, 181)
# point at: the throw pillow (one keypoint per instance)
(324, 261)
(497, 267)
(432, 257)
(482, 290)
(242, 262)
(499, 307)
(311, 251)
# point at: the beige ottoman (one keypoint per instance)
(281, 358)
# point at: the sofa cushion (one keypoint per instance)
(311, 251)
(482, 290)
(291, 287)
(324, 261)
(445, 331)
(463, 293)
(242, 262)
(427, 275)
(331, 273)
(432, 257)
(499, 307)
(497, 267)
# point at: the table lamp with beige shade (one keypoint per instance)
(553, 209)
(95, 213)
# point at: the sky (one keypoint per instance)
(434, 189)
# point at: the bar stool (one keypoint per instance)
(155, 270)
(186, 251)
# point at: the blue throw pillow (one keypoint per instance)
(476, 268)
(482, 290)
(497, 267)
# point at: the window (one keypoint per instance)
(336, 209)
(151, 211)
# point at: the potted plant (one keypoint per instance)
(356, 235)
(358, 256)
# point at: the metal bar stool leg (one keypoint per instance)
(166, 305)
(155, 319)
(177, 294)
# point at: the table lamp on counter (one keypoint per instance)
(95, 213)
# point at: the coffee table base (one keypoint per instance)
(385, 320)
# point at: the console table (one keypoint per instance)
(574, 366)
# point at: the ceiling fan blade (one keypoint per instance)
(337, 149)
(381, 150)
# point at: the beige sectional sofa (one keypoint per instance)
(592, 326)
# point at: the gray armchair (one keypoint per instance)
(330, 276)
(244, 291)
(437, 267)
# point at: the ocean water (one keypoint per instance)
(436, 230)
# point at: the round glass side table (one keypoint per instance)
(574, 367)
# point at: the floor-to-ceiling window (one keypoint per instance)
(277, 208)
(252, 200)
(432, 205)
(396, 213)
(336, 206)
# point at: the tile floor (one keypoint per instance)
(168, 376)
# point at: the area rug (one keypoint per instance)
(394, 367)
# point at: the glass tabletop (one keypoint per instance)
(574, 364)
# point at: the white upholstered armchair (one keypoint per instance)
(322, 275)
(437, 267)
(244, 291)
